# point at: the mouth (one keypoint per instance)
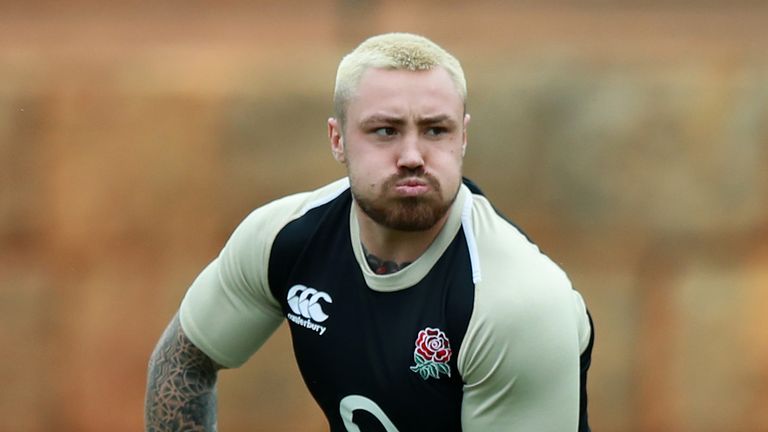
(411, 187)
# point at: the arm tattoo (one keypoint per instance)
(181, 385)
(381, 266)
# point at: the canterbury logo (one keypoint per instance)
(304, 301)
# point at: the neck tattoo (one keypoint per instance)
(383, 267)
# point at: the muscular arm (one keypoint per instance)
(181, 386)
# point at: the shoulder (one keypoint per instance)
(509, 260)
(271, 217)
(525, 334)
(521, 297)
(246, 254)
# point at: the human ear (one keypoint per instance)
(336, 137)
(464, 135)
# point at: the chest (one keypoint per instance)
(377, 360)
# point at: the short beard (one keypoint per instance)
(406, 213)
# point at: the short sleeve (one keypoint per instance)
(520, 357)
(229, 311)
(582, 317)
(520, 364)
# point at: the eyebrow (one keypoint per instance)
(399, 121)
(437, 119)
(380, 118)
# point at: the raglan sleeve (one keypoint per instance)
(228, 311)
(520, 357)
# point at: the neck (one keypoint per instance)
(396, 246)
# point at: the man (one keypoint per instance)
(412, 304)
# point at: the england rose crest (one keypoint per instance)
(432, 353)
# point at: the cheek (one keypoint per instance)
(367, 164)
(449, 167)
(452, 154)
(362, 177)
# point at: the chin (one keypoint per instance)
(410, 214)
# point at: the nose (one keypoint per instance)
(411, 155)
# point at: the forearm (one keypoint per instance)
(181, 385)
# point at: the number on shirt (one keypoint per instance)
(350, 403)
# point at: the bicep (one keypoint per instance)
(520, 364)
(534, 390)
(229, 311)
(176, 350)
(226, 319)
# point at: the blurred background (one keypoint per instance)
(628, 138)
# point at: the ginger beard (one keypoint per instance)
(405, 213)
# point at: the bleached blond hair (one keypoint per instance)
(393, 51)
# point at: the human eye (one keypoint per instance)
(436, 131)
(384, 132)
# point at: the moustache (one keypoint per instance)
(421, 178)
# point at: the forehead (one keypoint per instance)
(403, 92)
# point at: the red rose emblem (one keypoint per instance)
(432, 353)
(433, 345)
